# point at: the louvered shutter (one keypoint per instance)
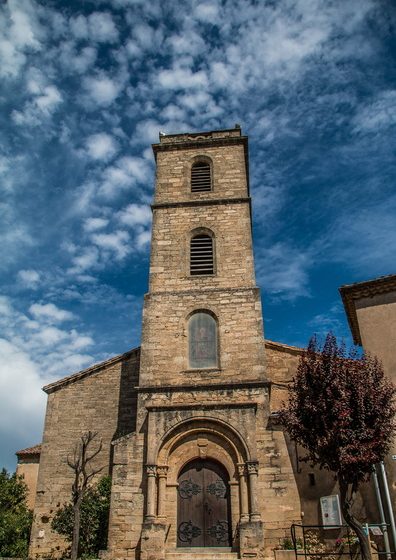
(201, 255)
(201, 179)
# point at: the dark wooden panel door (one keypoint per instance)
(203, 505)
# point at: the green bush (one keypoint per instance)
(15, 517)
(95, 508)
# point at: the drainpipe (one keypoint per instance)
(384, 526)
(388, 502)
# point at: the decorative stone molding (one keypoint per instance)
(162, 471)
(252, 467)
(151, 470)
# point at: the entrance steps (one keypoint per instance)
(204, 553)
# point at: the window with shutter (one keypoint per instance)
(202, 340)
(201, 179)
(201, 255)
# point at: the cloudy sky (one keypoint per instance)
(85, 88)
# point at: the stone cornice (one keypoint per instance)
(204, 202)
(198, 290)
(205, 142)
(353, 292)
(283, 347)
(51, 387)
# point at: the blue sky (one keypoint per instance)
(85, 88)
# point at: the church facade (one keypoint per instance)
(198, 463)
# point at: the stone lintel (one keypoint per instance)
(200, 406)
(202, 387)
(199, 203)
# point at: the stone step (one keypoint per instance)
(198, 553)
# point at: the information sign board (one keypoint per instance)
(331, 511)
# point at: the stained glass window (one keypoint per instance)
(202, 336)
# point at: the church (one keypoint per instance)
(200, 468)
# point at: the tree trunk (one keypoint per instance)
(353, 523)
(76, 529)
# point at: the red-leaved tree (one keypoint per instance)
(341, 410)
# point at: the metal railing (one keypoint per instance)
(314, 542)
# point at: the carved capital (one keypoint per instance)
(252, 467)
(241, 469)
(162, 471)
(151, 470)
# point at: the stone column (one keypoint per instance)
(252, 467)
(162, 473)
(151, 505)
(243, 496)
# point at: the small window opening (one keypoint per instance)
(201, 255)
(312, 480)
(201, 179)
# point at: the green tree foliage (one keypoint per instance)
(15, 517)
(341, 410)
(95, 508)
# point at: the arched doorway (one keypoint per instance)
(203, 505)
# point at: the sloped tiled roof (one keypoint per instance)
(35, 450)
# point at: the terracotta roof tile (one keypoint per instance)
(35, 450)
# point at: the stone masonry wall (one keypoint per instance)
(165, 342)
(170, 251)
(174, 168)
(102, 400)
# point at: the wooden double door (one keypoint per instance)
(203, 505)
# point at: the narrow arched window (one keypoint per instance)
(201, 255)
(201, 179)
(202, 338)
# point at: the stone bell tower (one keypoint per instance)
(200, 472)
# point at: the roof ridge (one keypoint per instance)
(88, 371)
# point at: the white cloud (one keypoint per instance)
(74, 61)
(143, 239)
(20, 32)
(102, 27)
(367, 241)
(283, 271)
(101, 146)
(22, 415)
(98, 27)
(117, 243)
(126, 172)
(182, 78)
(102, 89)
(135, 214)
(45, 101)
(50, 312)
(89, 258)
(93, 224)
(207, 12)
(29, 278)
(379, 114)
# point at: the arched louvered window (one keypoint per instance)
(201, 179)
(201, 255)
(202, 340)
